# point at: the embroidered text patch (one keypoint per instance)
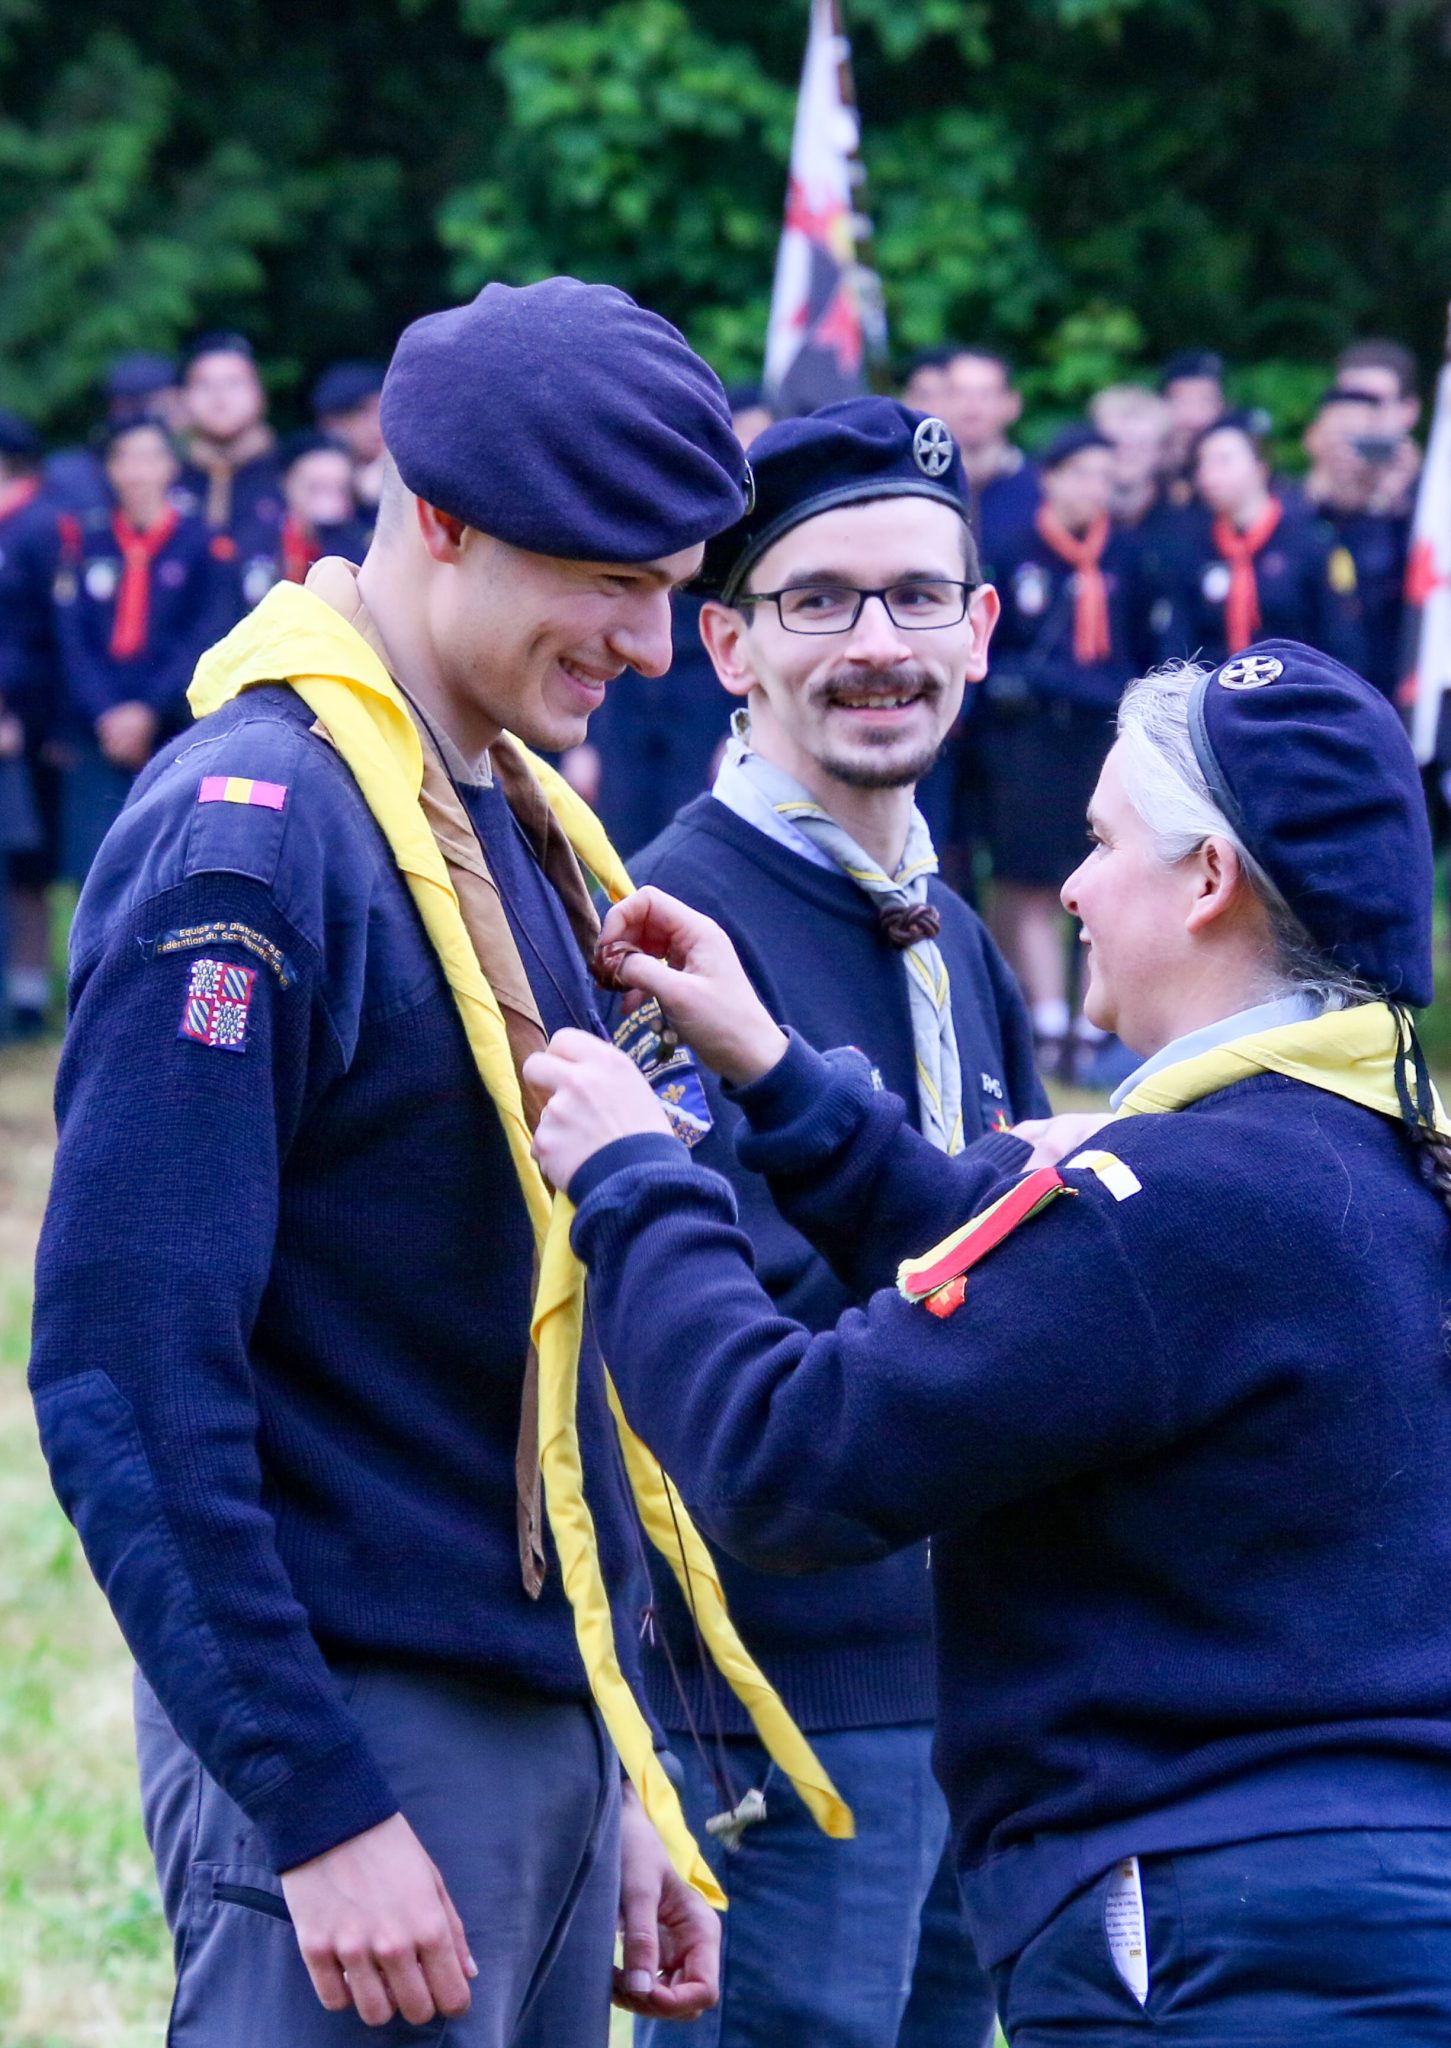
(242, 789)
(218, 997)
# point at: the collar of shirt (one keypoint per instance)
(739, 794)
(1290, 1009)
(461, 772)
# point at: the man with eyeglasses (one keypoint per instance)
(847, 615)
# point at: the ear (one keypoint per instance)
(1015, 408)
(724, 632)
(1219, 885)
(983, 608)
(443, 535)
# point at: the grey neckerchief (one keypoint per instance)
(929, 991)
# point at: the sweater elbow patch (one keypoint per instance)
(103, 1479)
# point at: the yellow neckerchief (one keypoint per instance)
(294, 636)
(1354, 1053)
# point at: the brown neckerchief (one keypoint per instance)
(335, 582)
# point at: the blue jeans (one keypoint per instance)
(826, 1943)
(1335, 1940)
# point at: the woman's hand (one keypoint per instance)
(660, 946)
(595, 1096)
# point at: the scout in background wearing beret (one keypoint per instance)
(346, 403)
(141, 593)
(282, 1359)
(845, 614)
(30, 691)
(1256, 564)
(1176, 1412)
(1074, 628)
(320, 517)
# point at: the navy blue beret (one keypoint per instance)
(1313, 769)
(843, 454)
(296, 447)
(563, 418)
(1071, 441)
(139, 375)
(19, 438)
(343, 387)
(1191, 362)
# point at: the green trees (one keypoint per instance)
(1086, 183)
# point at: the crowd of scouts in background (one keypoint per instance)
(1153, 528)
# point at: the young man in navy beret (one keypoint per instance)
(846, 615)
(283, 1295)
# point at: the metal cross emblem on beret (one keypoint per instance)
(1251, 672)
(932, 447)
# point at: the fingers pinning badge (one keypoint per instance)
(1251, 672)
(932, 447)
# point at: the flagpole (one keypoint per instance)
(1428, 579)
(866, 281)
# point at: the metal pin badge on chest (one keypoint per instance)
(1250, 672)
(932, 447)
(101, 579)
(1215, 582)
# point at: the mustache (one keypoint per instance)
(858, 681)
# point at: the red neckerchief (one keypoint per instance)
(133, 599)
(15, 497)
(1242, 605)
(299, 550)
(1092, 640)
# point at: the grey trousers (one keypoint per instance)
(517, 1801)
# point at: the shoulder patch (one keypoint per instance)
(1120, 1180)
(242, 789)
(938, 1279)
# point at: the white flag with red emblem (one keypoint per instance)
(1428, 585)
(815, 342)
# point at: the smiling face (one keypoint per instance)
(1133, 909)
(528, 642)
(869, 707)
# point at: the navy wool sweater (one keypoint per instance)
(282, 1297)
(1182, 1449)
(853, 1649)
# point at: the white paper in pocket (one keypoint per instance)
(1123, 1925)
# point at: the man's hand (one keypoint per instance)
(595, 1095)
(1054, 1137)
(127, 733)
(660, 946)
(671, 1936)
(378, 1930)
